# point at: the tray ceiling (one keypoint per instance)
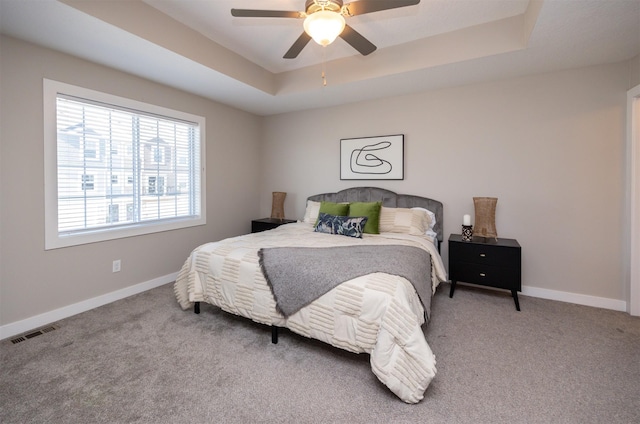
(197, 46)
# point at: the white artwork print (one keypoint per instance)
(372, 158)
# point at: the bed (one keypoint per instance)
(378, 309)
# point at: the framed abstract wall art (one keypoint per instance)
(372, 158)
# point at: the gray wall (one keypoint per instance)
(34, 281)
(550, 147)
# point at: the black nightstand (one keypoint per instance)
(487, 262)
(264, 224)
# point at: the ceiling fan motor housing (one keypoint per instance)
(313, 6)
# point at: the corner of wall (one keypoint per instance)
(634, 71)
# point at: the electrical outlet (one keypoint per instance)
(116, 265)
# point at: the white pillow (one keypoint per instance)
(432, 217)
(311, 213)
(404, 221)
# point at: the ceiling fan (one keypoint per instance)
(324, 21)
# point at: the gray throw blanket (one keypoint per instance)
(299, 275)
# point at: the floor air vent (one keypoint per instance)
(32, 334)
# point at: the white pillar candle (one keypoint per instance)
(466, 220)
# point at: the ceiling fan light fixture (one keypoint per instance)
(324, 26)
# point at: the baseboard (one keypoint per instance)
(32, 323)
(579, 299)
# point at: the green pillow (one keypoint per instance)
(331, 208)
(369, 209)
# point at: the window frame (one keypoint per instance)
(53, 239)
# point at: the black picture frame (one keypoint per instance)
(372, 158)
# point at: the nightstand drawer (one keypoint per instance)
(485, 254)
(487, 275)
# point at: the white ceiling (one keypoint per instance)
(197, 46)
(264, 41)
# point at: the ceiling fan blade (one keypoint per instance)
(368, 6)
(357, 41)
(253, 13)
(297, 47)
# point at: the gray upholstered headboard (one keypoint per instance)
(388, 199)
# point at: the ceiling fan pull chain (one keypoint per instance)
(324, 65)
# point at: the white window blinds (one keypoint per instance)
(120, 168)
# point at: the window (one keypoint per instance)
(90, 139)
(87, 182)
(114, 213)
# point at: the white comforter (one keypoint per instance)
(379, 314)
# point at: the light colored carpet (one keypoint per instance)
(144, 360)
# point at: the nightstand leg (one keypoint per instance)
(514, 293)
(196, 307)
(453, 287)
(274, 334)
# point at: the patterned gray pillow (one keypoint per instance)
(343, 225)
